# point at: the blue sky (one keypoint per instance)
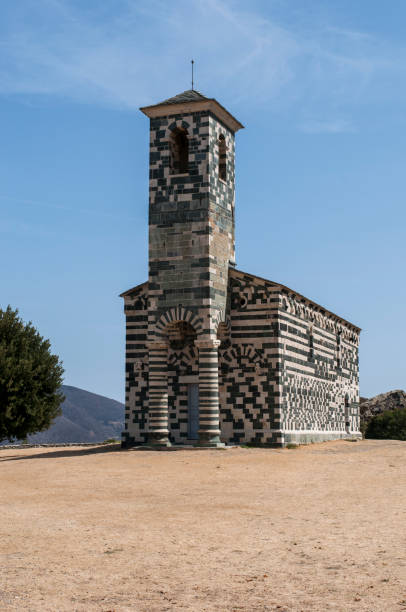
(320, 207)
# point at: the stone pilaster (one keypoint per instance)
(158, 433)
(209, 410)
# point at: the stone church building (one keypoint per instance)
(213, 354)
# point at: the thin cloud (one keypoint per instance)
(130, 52)
(353, 35)
(335, 126)
(97, 213)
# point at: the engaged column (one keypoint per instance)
(209, 411)
(158, 433)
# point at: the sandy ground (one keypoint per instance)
(317, 528)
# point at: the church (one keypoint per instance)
(215, 355)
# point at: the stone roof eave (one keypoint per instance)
(193, 106)
(126, 293)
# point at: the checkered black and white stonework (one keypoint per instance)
(272, 366)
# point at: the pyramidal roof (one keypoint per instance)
(190, 95)
(198, 101)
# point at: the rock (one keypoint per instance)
(392, 400)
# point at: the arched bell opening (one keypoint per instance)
(179, 150)
(222, 158)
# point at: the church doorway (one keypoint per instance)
(193, 411)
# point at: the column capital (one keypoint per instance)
(157, 345)
(212, 343)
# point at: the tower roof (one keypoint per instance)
(190, 95)
(192, 101)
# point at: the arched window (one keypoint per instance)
(338, 350)
(179, 148)
(347, 414)
(311, 343)
(222, 157)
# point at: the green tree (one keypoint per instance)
(389, 425)
(30, 379)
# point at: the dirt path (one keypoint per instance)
(317, 528)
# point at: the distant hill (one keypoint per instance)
(392, 400)
(86, 417)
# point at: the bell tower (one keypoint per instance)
(191, 226)
(191, 204)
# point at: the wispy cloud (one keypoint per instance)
(333, 126)
(96, 212)
(131, 52)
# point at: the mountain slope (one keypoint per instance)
(86, 417)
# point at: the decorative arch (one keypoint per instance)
(140, 302)
(241, 295)
(223, 330)
(183, 359)
(177, 315)
(217, 319)
(244, 351)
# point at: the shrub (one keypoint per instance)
(30, 378)
(390, 425)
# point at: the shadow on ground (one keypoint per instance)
(74, 452)
(92, 450)
(345, 446)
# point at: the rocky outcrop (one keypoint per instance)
(393, 400)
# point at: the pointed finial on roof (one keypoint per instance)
(192, 62)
